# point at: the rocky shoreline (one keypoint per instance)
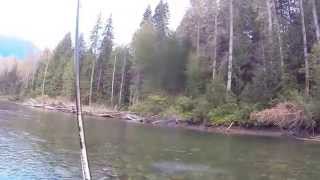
(103, 112)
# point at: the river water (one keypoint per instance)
(44, 145)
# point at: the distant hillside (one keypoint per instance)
(16, 48)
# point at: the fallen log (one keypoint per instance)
(170, 122)
(311, 139)
(134, 118)
(105, 115)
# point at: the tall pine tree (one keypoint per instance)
(161, 18)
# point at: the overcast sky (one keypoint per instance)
(44, 22)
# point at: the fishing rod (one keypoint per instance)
(84, 158)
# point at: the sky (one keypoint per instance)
(45, 22)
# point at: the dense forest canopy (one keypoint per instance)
(226, 59)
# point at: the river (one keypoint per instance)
(44, 145)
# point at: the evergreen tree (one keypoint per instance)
(144, 49)
(104, 57)
(161, 18)
(147, 16)
(61, 55)
(68, 80)
(94, 47)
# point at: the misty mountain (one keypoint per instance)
(16, 48)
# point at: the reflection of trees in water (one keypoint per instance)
(129, 150)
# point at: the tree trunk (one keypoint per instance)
(315, 18)
(279, 38)
(113, 76)
(270, 35)
(44, 77)
(229, 83)
(99, 79)
(122, 79)
(305, 50)
(270, 25)
(198, 39)
(136, 96)
(91, 80)
(281, 52)
(27, 80)
(198, 27)
(264, 61)
(214, 63)
(33, 76)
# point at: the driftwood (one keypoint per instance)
(230, 126)
(108, 114)
(165, 122)
(311, 139)
(133, 118)
(287, 116)
(60, 107)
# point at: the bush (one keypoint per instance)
(184, 107)
(223, 115)
(201, 110)
(313, 110)
(315, 71)
(231, 112)
(193, 110)
(152, 105)
(184, 104)
(216, 93)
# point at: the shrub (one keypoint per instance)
(232, 112)
(152, 105)
(183, 107)
(224, 114)
(313, 110)
(184, 104)
(201, 109)
(216, 93)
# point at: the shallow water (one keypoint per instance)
(44, 145)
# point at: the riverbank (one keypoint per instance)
(59, 105)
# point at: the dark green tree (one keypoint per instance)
(104, 57)
(147, 16)
(61, 55)
(161, 18)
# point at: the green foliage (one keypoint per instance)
(227, 113)
(184, 104)
(216, 93)
(144, 47)
(195, 84)
(161, 19)
(95, 36)
(160, 63)
(10, 82)
(61, 55)
(315, 71)
(152, 105)
(103, 68)
(313, 110)
(183, 107)
(164, 62)
(200, 112)
(223, 114)
(68, 80)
